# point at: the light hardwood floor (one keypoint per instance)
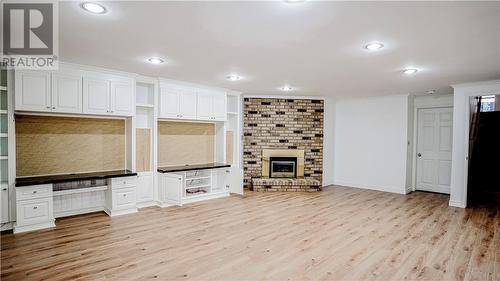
(339, 233)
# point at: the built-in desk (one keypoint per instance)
(41, 199)
(24, 181)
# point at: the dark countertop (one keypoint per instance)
(25, 181)
(183, 168)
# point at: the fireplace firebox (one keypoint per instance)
(283, 167)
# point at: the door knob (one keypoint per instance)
(419, 154)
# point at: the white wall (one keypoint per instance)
(460, 152)
(370, 143)
(328, 139)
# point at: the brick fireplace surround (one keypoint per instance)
(295, 124)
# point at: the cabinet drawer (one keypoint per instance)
(34, 211)
(124, 182)
(124, 198)
(33, 191)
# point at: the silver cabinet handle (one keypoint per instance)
(34, 208)
(47, 106)
(34, 191)
(53, 107)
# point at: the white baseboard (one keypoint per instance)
(31, 227)
(458, 204)
(146, 204)
(120, 212)
(402, 190)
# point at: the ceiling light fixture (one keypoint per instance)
(410, 71)
(294, 1)
(286, 88)
(233, 77)
(156, 60)
(94, 8)
(374, 46)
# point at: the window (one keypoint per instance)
(487, 103)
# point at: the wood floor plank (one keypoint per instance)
(339, 233)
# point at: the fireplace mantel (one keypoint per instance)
(268, 153)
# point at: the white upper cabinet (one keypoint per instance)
(96, 99)
(177, 103)
(219, 103)
(32, 91)
(187, 104)
(66, 93)
(212, 106)
(75, 90)
(122, 98)
(205, 107)
(169, 103)
(108, 97)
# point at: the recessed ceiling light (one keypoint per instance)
(374, 46)
(94, 8)
(233, 77)
(156, 60)
(410, 71)
(286, 88)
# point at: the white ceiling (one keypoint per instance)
(313, 46)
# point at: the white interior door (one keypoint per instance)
(434, 141)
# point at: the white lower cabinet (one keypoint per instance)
(34, 208)
(191, 186)
(145, 191)
(121, 196)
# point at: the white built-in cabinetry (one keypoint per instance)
(66, 92)
(191, 103)
(32, 90)
(121, 196)
(146, 95)
(71, 90)
(34, 207)
(191, 186)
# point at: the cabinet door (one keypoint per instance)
(204, 106)
(32, 91)
(34, 211)
(66, 93)
(235, 180)
(170, 189)
(187, 105)
(95, 96)
(169, 103)
(144, 188)
(4, 200)
(219, 106)
(122, 99)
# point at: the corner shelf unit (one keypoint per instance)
(145, 127)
